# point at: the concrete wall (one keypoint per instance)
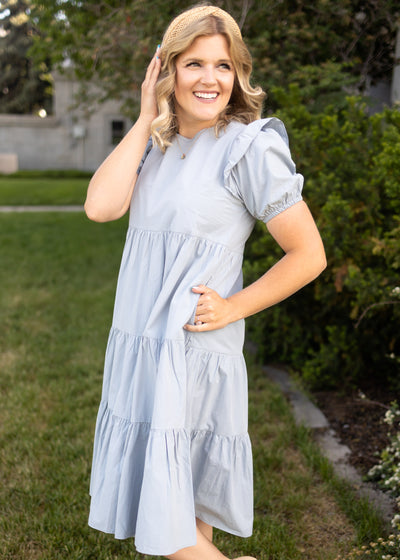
(379, 96)
(66, 140)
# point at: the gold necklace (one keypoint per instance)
(183, 154)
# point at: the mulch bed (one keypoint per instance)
(358, 423)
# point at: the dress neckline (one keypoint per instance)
(188, 140)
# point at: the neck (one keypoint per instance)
(190, 129)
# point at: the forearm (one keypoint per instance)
(296, 233)
(286, 277)
(304, 259)
(110, 190)
(111, 187)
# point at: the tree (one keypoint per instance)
(301, 33)
(23, 88)
(109, 43)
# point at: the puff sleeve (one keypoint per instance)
(260, 170)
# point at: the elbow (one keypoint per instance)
(313, 260)
(324, 262)
(102, 214)
(101, 206)
(319, 262)
(322, 257)
(93, 210)
(96, 207)
(94, 214)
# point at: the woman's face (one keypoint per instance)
(203, 84)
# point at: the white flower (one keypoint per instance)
(389, 416)
(395, 523)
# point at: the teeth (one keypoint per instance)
(206, 95)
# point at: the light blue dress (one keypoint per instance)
(171, 440)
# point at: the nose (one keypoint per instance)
(208, 78)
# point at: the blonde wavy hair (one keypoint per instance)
(245, 104)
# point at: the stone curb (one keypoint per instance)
(307, 414)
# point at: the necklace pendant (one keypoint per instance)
(183, 156)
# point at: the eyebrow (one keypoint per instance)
(195, 59)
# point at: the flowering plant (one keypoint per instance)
(387, 472)
(383, 549)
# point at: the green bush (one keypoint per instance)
(343, 329)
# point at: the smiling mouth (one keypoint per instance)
(204, 95)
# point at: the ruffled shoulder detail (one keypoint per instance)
(243, 140)
(260, 170)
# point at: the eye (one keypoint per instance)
(194, 63)
(225, 66)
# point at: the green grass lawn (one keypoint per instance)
(58, 276)
(33, 188)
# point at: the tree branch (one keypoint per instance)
(370, 307)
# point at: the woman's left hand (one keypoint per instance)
(212, 312)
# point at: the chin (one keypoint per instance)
(209, 117)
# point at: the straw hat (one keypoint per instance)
(195, 14)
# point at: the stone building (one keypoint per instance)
(64, 140)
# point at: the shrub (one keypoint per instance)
(343, 328)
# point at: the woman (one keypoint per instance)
(172, 456)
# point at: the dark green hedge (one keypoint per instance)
(344, 328)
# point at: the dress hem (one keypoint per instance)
(158, 552)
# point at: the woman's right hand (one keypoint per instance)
(148, 108)
(111, 187)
